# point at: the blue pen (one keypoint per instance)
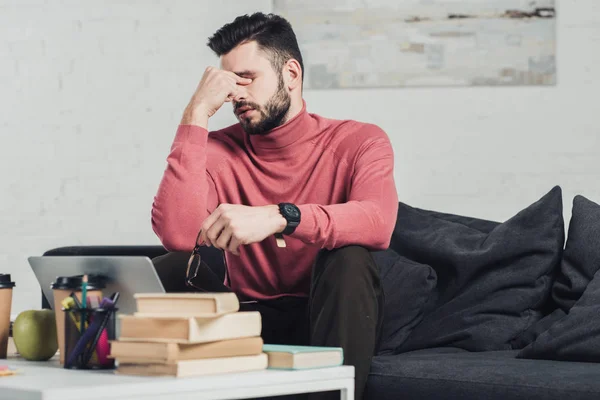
(109, 305)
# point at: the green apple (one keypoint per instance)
(34, 333)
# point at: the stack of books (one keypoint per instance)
(188, 334)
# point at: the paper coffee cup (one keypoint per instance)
(62, 287)
(6, 289)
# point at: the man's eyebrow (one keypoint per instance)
(245, 74)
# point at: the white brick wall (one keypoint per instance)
(91, 93)
(90, 97)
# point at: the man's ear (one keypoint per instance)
(292, 73)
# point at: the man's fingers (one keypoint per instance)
(243, 81)
(232, 95)
(208, 223)
(238, 79)
(223, 240)
(233, 246)
(214, 232)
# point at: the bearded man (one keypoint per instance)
(325, 187)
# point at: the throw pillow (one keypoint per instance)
(493, 279)
(575, 337)
(580, 261)
(581, 258)
(407, 288)
(539, 327)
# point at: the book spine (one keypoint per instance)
(172, 352)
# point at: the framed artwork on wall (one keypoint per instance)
(391, 43)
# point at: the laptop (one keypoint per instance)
(127, 275)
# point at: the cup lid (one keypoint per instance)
(6, 282)
(75, 282)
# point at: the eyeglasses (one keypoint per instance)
(194, 264)
(200, 276)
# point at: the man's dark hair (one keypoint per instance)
(273, 33)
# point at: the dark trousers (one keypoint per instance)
(344, 309)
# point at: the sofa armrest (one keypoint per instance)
(147, 251)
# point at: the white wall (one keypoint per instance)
(91, 94)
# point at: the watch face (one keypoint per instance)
(291, 211)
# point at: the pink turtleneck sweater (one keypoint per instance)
(339, 173)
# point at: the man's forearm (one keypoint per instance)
(368, 217)
(186, 193)
(195, 116)
(361, 223)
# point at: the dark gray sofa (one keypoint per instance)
(451, 373)
(478, 309)
(475, 309)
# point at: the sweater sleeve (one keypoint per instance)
(369, 216)
(186, 194)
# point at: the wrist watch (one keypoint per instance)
(291, 213)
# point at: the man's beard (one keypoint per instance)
(272, 114)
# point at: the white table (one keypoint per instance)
(48, 381)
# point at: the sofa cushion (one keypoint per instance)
(575, 337)
(580, 261)
(407, 288)
(536, 329)
(493, 279)
(581, 258)
(457, 374)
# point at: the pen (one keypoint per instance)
(84, 283)
(75, 299)
(115, 298)
(82, 342)
(108, 305)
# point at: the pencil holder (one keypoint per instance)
(88, 333)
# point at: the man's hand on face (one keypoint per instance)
(215, 89)
(233, 225)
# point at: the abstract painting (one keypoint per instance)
(406, 43)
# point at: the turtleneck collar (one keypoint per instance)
(280, 140)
